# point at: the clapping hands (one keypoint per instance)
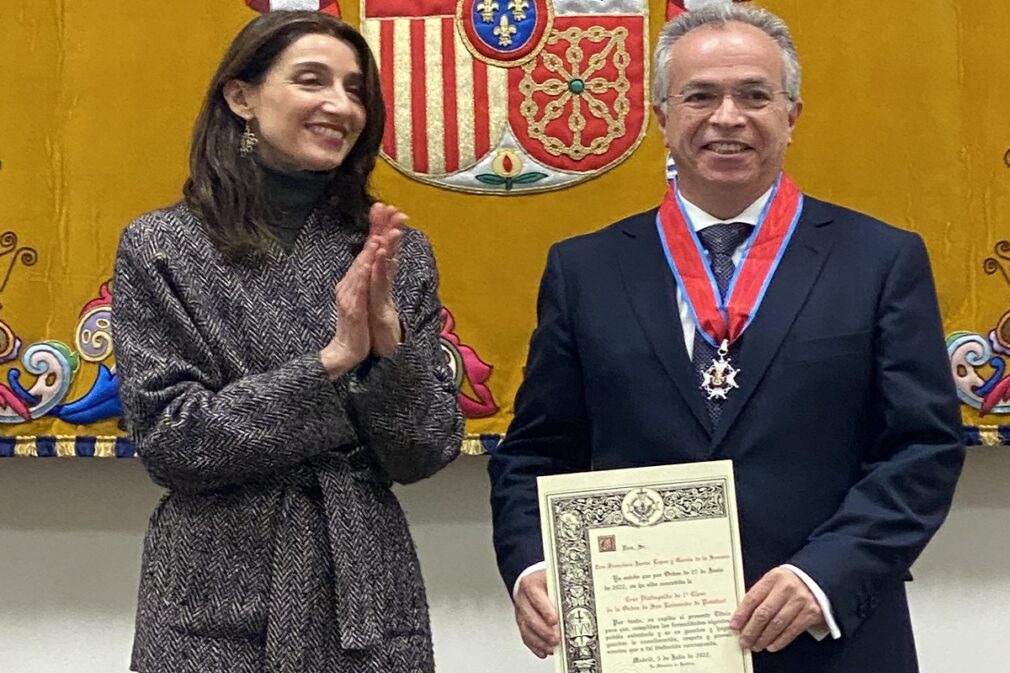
(367, 319)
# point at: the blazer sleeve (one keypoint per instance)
(406, 407)
(193, 430)
(905, 491)
(549, 433)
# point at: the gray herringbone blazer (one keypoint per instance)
(279, 547)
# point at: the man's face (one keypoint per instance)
(725, 145)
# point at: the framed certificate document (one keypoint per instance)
(644, 567)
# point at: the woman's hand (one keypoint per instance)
(351, 341)
(383, 319)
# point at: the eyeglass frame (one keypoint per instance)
(732, 92)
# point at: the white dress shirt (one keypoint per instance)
(699, 220)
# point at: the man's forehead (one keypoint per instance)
(732, 38)
(715, 52)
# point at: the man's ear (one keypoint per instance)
(794, 115)
(240, 98)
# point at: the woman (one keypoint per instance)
(276, 336)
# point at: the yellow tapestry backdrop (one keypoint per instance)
(906, 118)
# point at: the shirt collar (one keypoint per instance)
(751, 214)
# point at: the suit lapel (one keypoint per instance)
(788, 290)
(652, 295)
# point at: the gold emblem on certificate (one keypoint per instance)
(644, 567)
(720, 377)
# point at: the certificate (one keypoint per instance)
(644, 567)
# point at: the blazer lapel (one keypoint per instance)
(652, 295)
(788, 290)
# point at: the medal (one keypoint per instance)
(720, 377)
(721, 320)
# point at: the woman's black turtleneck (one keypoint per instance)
(292, 195)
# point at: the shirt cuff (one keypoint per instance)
(823, 602)
(542, 565)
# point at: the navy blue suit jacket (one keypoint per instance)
(845, 433)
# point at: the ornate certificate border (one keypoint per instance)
(573, 516)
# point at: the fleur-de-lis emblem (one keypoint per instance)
(487, 8)
(519, 8)
(504, 30)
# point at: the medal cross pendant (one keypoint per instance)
(720, 377)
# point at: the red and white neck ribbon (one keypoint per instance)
(724, 319)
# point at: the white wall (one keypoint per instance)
(71, 529)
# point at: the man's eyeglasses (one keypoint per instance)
(754, 97)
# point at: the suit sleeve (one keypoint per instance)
(550, 431)
(193, 430)
(908, 481)
(406, 407)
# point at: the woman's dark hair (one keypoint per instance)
(224, 188)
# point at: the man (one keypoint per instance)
(812, 356)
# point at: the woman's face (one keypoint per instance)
(309, 110)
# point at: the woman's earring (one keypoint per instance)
(248, 142)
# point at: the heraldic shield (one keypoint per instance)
(510, 96)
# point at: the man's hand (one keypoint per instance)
(776, 610)
(536, 616)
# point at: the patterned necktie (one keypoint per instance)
(721, 240)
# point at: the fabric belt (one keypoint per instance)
(347, 482)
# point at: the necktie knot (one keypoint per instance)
(723, 239)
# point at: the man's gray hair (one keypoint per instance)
(719, 15)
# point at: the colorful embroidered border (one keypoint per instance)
(987, 435)
(478, 445)
(69, 446)
(65, 446)
(72, 446)
(981, 435)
